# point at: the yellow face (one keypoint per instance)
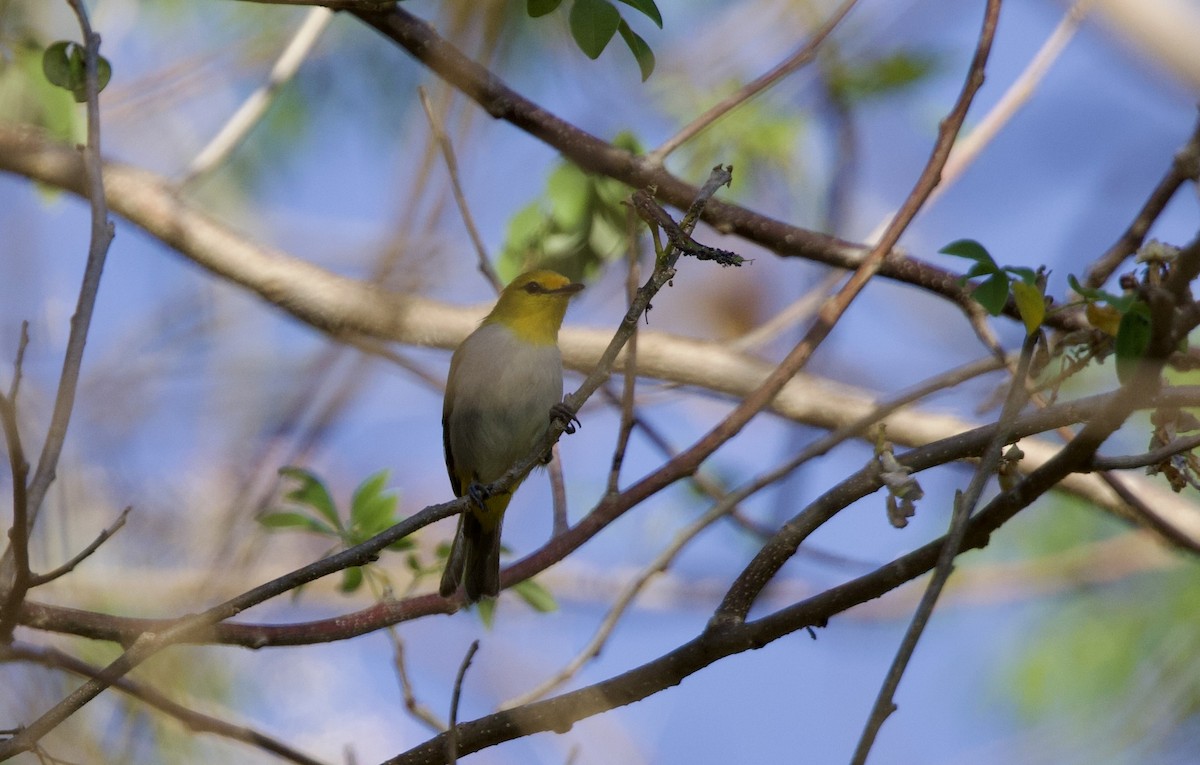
(533, 305)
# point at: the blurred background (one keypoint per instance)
(1054, 645)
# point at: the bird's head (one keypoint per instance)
(533, 305)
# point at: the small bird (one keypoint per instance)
(505, 380)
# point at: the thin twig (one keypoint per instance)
(101, 237)
(965, 445)
(964, 505)
(623, 602)
(251, 112)
(443, 142)
(797, 311)
(734, 607)
(558, 493)
(18, 363)
(1152, 457)
(411, 703)
(452, 731)
(633, 277)
(967, 150)
(195, 721)
(171, 632)
(476, 82)
(19, 533)
(66, 568)
(802, 56)
(1185, 166)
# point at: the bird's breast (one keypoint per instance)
(498, 400)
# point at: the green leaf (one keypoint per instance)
(1031, 305)
(648, 8)
(970, 249)
(372, 510)
(638, 47)
(992, 293)
(287, 519)
(401, 544)
(593, 24)
(980, 269)
(1027, 275)
(64, 64)
(369, 489)
(352, 579)
(1123, 303)
(882, 76)
(486, 609)
(568, 189)
(311, 493)
(537, 8)
(538, 597)
(1133, 338)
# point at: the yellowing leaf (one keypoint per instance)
(1030, 304)
(1104, 318)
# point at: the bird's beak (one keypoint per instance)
(569, 289)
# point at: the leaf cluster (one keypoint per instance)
(595, 22)
(576, 226)
(372, 510)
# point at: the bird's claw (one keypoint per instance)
(478, 494)
(565, 415)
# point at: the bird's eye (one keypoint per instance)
(533, 288)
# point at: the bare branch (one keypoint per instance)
(800, 58)
(443, 141)
(195, 721)
(101, 237)
(964, 504)
(1184, 167)
(251, 112)
(84, 554)
(595, 155)
(452, 735)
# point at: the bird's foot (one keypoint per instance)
(566, 415)
(478, 494)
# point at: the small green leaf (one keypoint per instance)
(568, 191)
(486, 609)
(538, 597)
(648, 8)
(372, 510)
(992, 293)
(638, 47)
(64, 64)
(981, 269)
(352, 579)
(537, 8)
(311, 493)
(1027, 275)
(969, 248)
(287, 519)
(593, 24)
(1133, 338)
(60, 66)
(1031, 305)
(882, 76)
(403, 543)
(370, 488)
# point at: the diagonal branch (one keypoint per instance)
(598, 156)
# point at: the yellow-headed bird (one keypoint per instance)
(504, 380)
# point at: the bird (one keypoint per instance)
(504, 387)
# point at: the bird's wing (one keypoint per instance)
(446, 406)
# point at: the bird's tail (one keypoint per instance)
(474, 560)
